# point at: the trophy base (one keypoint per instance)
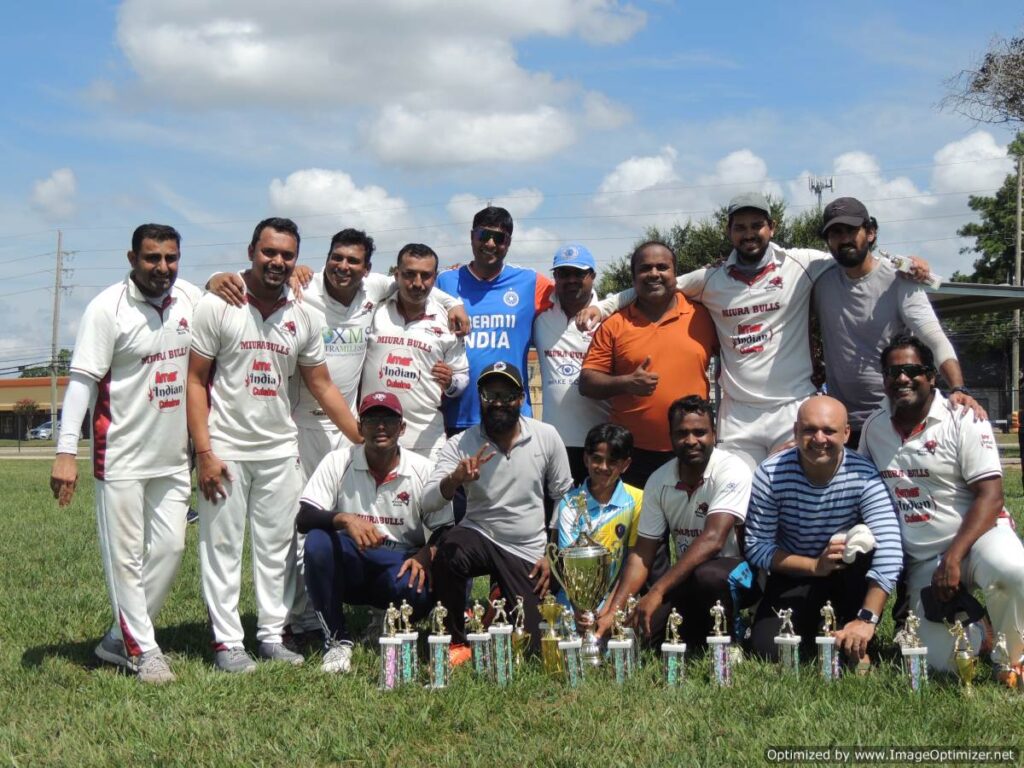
(591, 650)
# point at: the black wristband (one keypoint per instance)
(963, 389)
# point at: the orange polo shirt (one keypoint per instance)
(680, 345)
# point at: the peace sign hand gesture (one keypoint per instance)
(468, 469)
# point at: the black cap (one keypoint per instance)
(506, 370)
(845, 210)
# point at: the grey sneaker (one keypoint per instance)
(153, 668)
(337, 657)
(234, 660)
(277, 652)
(111, 650)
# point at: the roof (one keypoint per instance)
(953, 299)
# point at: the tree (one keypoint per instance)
(993, 91)
(41, 371)
(25, 409)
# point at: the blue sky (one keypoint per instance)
(590, 120)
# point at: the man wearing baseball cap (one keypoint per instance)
(506, 463)
(862, 305)
(367, 533)
(561, 347)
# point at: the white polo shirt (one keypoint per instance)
(763, 323)
(136, 348)
(250, 411)
(399, 357)
(343, 483)
(671, 506)
(561, 347)
(930, 472)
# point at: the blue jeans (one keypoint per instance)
(338, 572)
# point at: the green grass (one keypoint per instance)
(58, 707)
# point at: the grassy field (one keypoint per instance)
(57, 707)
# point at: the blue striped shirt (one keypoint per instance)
(788, 512)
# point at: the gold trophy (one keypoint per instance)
(828, 659)
(569, 649)
(719, 643)
(673, 651)
(501, 635)
(584, 570)
(965, 663)
(439, 642)
(620, 648)
(915, 655)
(409, 637)
(551, 612)
(520, 637)
(479, 642)
(390, 651)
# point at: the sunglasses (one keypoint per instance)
(482, 235)
(493, 398)
(375, 421)
(911, 371)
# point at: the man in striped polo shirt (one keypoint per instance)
(802, 503)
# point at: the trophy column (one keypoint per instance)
(572, 660)
(390, 663)
(503, 656)
(440, 661)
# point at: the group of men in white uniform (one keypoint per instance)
(249, 335)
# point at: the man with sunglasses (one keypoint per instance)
(506, 463)
(945, 476)
(366, 531)
(862, 305)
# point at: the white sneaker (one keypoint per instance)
(337, 657)
(154, 669)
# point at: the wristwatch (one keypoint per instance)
(965, 390)
(869, 616)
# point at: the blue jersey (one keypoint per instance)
(501, 313)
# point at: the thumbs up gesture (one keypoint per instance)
(643, 380)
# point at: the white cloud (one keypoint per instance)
(519, 202)
(601, 113)
(325, 195)
(54, 197)
(974, 163)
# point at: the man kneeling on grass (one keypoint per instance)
(367, 535)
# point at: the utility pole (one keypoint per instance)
(817, 184)
(58, 276)
(1015, 351)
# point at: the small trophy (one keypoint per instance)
(965, 663)
(631, 603)
(480, 642)
(788, 643)
(550, 655)
(673, 651)
(1002, 669)
(719, 642)
(828, 659)
(409, 638)
(915, 656)
(440, 643)
(570, 650)
(620, 648)
(520, 637)
(501, 632)
(390, 651)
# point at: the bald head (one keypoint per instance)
(821, 431)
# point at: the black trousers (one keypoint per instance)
(806, 595)
(462, 554)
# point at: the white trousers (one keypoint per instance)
(753, 432)
(267, 494)
(995, 565)
(141, 527)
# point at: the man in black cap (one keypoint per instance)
(862, 305)
(506, 463)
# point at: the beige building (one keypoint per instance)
(37, 390)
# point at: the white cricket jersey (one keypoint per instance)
(672, 506)
(561, 347)
(929, 473)
(399, 357)
(137, 351)
(343, 483)
(250, 411)
(763, 322)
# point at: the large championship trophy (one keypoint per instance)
(584, 571)
(915, 655)
(828, 659)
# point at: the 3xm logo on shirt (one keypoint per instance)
(343, 341)
(262, 380)
(166, 389)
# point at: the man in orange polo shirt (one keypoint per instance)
(647, 355)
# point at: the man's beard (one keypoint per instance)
(498, 421)
(851, 257)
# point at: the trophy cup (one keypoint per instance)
(390, 651)
(620, 648)
(551, 612)
(409, 638)
(673, 651)
(965, 663)
(828, 659)
(584, 571)
(718, 642)
(915, 656)
(501, 632)
(788, 643)
(569, 648)
(520, 637)
(440, 643)
(479, 642)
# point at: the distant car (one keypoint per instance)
(43, 432)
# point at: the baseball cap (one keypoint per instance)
(844, 210)
(506, 370)
(754, 200)
(576, 256)
(380, 400)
